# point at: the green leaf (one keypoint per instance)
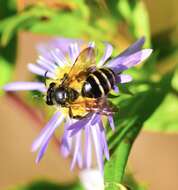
(113, 8)
(63, 23)
(136, 16)
(166, 44)
(125, 10)
(175, 80)
(46, 185)
(7, 8)
(10, 25)
(134, 111)
(82, 8)
(140, 22)
(165, 119)
(8, 53)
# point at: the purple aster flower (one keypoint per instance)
(54, 61)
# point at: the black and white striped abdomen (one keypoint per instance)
(98, 83)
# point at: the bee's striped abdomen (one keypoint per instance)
(110, 76)
(98, 83)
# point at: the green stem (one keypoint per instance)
(114, 175)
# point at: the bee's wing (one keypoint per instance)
(83, 63)
(99, 105)
(102, 106)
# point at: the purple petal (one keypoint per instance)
(63, 43)
(65, 135)
(59, 47)
(95, 119)
(107, 54)
(47, 138)
(121, 63)
(66, 145)
(46, 64)
(103, 139)
(36, 69)
(25, 86)
(98, 148)
(116, 89)
(44, 132)
(46, 54)
(67, 141)
(111, 122)
(122, 78)
(64, 150)
(80, 124)
(88, 120)
(137, 46)
(74, 51)
(59, 57)
(41, 151)
(76, 149)
(60, 43)
(88, 148)
(129, 51)
(79, 158)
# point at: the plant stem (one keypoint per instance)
(122, 152)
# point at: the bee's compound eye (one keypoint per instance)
(49, 100)
(50, 92)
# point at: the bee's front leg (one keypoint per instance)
(72, 115)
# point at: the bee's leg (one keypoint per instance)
(77, 117)
(73, 116)
(70, 112)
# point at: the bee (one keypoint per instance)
(85, 87)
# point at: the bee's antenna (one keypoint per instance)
(64, 78)
(45, 77)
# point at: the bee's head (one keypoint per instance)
(61, 96)
(56, 95)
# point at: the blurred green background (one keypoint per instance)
(24, 24)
